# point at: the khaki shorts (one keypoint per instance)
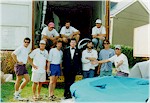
(38, 77)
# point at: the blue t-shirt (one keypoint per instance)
(106, 54)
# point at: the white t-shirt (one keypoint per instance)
(39, 59)
(116, 59)
(55, 56)
(22, 54)
(48, 33)
(86, 64)
(100, 30)
(68, 31)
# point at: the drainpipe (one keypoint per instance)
(44, 12)
(33, 35)
(107, 18)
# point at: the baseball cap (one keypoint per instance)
(51, 24)
(42, 42)
(117, 47)
(98, 21)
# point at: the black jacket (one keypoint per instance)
(72, 65)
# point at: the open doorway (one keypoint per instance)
(82, 14)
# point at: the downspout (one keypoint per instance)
(44, 12)
(107, 18)
(33, 35)
(111, 29)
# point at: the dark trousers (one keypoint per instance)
(69, 80)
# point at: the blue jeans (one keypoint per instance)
(119, 73)
(105, 73)
(97, 41)
(88, 74)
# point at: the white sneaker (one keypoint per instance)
(18, 94)
(18, 97)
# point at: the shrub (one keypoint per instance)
(128, 51)
(2, 77)
(7, 62)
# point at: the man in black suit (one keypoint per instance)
(72, 65)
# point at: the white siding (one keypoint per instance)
(142, 43)
(15, 24)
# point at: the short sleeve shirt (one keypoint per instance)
(22, 54)
(55, 56)
(48, 33)
(100, 30)
(39, 59)
(68, 31)
(116, 59)
(106, 54)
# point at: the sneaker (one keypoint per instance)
(39, 97)
(34, 98)
(53, 98)
(18, 98)
(18, 94)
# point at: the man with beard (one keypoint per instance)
(89, 55)
(68, 32)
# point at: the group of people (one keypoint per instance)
(67, 62)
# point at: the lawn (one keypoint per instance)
(7, 90)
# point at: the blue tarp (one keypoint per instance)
(111, 89)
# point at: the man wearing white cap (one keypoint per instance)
(98, 34)
(121, 62)
(39, 56)
(50, 35)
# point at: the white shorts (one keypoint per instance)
(38, 77)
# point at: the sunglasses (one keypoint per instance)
(117, 49)
(106, 43)
(27, 42)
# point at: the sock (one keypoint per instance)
(20, 90)
(16, 93)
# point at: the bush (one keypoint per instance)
(2, 77)
(7, 63)
(128, 51)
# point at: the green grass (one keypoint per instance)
(7, 90)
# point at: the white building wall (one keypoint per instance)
(15, 24)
